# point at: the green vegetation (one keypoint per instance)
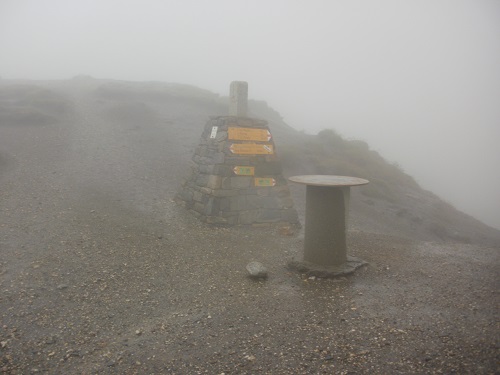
(329, 153)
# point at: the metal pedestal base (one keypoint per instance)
(312, 269)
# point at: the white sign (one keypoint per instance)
(214, 131)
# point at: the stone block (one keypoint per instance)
(201, 151)
(268, 169)
(229, 214)
(201, 180)
(218, 158)
(223, 170)
(253, 202)
(225, 192)
(269, 202)
(213, 182)
(237, 160)
(212, 206)
(221, 136)
(245, 123)
(218, 196)
(225, 121)
(225, 204)
(249, 191)
(202, 160)
(227, 219)
(232, 220)
(206, 191)
(237, 203)
(248, 217)
(280, 191)
(268, 215)
(290, 215)
(206, 168)
(263, 192)
(198, 196)
(286, 202)
(199, 207)
(240, 182)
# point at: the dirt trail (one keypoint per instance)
(102, 273)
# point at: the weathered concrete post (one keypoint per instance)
(325, 236)
(238, 99)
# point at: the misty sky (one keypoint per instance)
(418, 80)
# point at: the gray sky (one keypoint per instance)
(418, 80)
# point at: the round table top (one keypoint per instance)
(328, 180)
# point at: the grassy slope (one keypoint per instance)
(392, 203)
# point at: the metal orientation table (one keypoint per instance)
(327, 211)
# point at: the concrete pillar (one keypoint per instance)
(326, 225)
(238, 99)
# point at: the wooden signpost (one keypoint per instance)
(264, 181)
(249, 134)
(251, 149)
(244, 170)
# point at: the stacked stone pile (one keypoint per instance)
(235, 175)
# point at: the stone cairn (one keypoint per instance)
(235, 177)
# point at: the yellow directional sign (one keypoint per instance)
(244, 170)
(251, 149)
(264, 181)
(249, 134)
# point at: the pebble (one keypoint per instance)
(256, 270)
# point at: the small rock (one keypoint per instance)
(62, 286)
(256, 270)
(50, 340)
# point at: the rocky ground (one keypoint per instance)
(101, 272)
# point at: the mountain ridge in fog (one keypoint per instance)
(174, 114)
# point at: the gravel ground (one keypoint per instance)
(100, 272)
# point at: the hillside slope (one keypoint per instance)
(393, 203)
(101, 272)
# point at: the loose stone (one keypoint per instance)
(257, 270)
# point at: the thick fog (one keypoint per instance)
(418, 80)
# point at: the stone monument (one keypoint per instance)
(236, 177)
